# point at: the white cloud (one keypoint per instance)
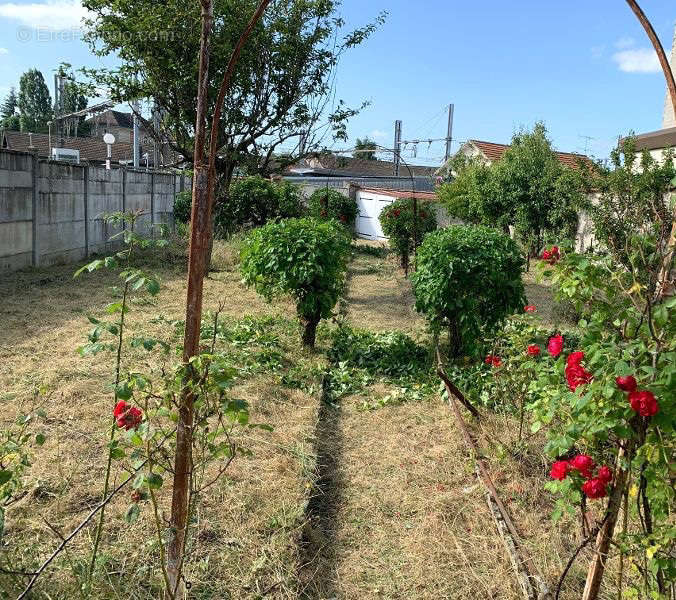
(378, 135)
(4, 51)
(638, 60)
(52, 14)
(625, 42)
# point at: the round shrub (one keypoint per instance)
(400, 226)
(326, 203)
(182, 206)
(253, 201)
(303, 258)
(468, 279)
(290, 203)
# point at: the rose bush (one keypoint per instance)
(405, 229)
(327, 203)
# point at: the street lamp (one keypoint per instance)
(109, 140)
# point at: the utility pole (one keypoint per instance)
(397, 147)
(136, 108)
(449, 132)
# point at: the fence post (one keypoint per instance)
(35, 204)
(85, 188)
(152, 204)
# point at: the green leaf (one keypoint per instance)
(40, 439)
(132, 513)
(5, 476)
(154, 481)
(124, 391)
(139, 480)
(153, 286)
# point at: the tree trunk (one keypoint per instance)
(310, 329)
(199, 236)
(454, 339)
(405, 262)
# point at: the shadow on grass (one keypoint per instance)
(318, 570)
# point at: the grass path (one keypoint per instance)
(401, 514)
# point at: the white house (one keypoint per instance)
(657, 141)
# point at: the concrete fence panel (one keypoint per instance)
(54, 212)
(16, 210)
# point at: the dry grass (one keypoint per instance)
(397, 511)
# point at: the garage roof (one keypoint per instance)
(401, 193)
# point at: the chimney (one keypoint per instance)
(669, 119)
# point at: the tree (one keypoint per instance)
(9, 104)
(34, 102)
(468, 196)
(9, 119)
(528, 189)
(405, 229)
(468, 279)
(303, 258)
(365, 149)
(282, 87)
(541, 195)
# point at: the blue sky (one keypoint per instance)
(584, 68)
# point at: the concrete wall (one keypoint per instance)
(53, 212)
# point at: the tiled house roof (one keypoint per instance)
(346, 166)
(494, 152)
(91, 148)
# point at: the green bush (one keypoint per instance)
(468, 279)
(400, 226)
(253, 201)
(182, 206)
(326, 203)
(303, 258)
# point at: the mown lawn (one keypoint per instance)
(371, 495)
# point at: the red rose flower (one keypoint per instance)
(644, 403)
(120, 408)
(583, 464)
(533, 350)
(529, 308)
(577, 375)
(396, 212)
(494, 361)
(127, 416)
(551, 255)
(594, 488)
(575, 358)
(626, 384)
(605, 474)
(559, 470)
(555, 345)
